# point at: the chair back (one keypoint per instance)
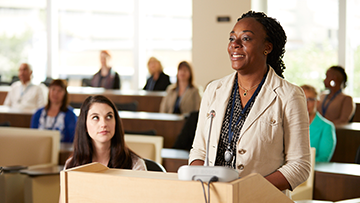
(27, 147)
(145, 146)
(154, 166)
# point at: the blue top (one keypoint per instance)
(65, 122)
(322, 137)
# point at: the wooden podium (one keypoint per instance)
(96, 183)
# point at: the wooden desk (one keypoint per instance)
(348, 141)
(336, 181)
(148, 101)
(167, 125)
(16, 117)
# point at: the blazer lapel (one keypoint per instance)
(219, 104)
(265, 97)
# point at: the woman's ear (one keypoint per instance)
(268, 47)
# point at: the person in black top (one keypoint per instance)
(158, 80)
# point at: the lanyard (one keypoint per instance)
(246, 106)
(23, 91)
(53, 124)
(325, 107)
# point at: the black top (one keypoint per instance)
(160, 84)
(185, 139)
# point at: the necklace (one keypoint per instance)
(245, 90)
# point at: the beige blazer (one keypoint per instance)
(275, 135)
(190, 100)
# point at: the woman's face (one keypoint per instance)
(311, 102)
(183, 73)
(247, 45)
(100, 123)
(153, 66)
(104, 59)
(331, 79)
(56, 94)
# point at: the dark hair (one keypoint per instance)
(188, 66)
(120, 155)
(65, 102)
(275, 35)
(341, 70)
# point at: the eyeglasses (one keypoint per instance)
(310, 99)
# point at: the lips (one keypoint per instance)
(237, 56)
(104, 132)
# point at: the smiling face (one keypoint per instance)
(100, 123)
(247, 45)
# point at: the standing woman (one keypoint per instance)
(158, 81)
(261, 123)
(182, 97)
(336, 106)
(57, 114)
(106, 77)
(99, 137)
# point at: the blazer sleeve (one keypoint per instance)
(35, 119)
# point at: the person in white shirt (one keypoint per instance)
(24, 95)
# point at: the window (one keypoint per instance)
(23, 38)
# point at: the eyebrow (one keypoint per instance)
(243, 31)
(110, 112)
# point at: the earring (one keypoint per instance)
(265, 52)
(332, 83)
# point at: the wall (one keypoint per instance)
(210, 38)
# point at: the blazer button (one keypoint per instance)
(242, 151)
(241, 167)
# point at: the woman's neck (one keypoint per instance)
(104, 71)
(156, 75)
(248, 81)
(102, 154)
(311, 117)
(182, 86)
(54, 109)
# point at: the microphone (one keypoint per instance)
(206, 173)
(212, 115)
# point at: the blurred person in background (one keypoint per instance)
(322, 131)
(158, 81)
(57, 114)
(23, 94)
(106, 77)
(183, 97)
(335, 105)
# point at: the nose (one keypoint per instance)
(236, 44)
(103, 123)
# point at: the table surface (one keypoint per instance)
(338, 168)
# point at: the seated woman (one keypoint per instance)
(336, 106)
(322, 131)
(182, 97)
(158, 81)
(57, 114)
(106, 77)
(99, 137)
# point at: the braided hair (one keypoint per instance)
(341, 70)
(275, 35)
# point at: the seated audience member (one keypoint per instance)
(24, 95)
(182, 97)
(57, 114)
(99, 137)
(336, 106)
(186, 137)
(106, 77)
(158, 81)
(322, 131)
